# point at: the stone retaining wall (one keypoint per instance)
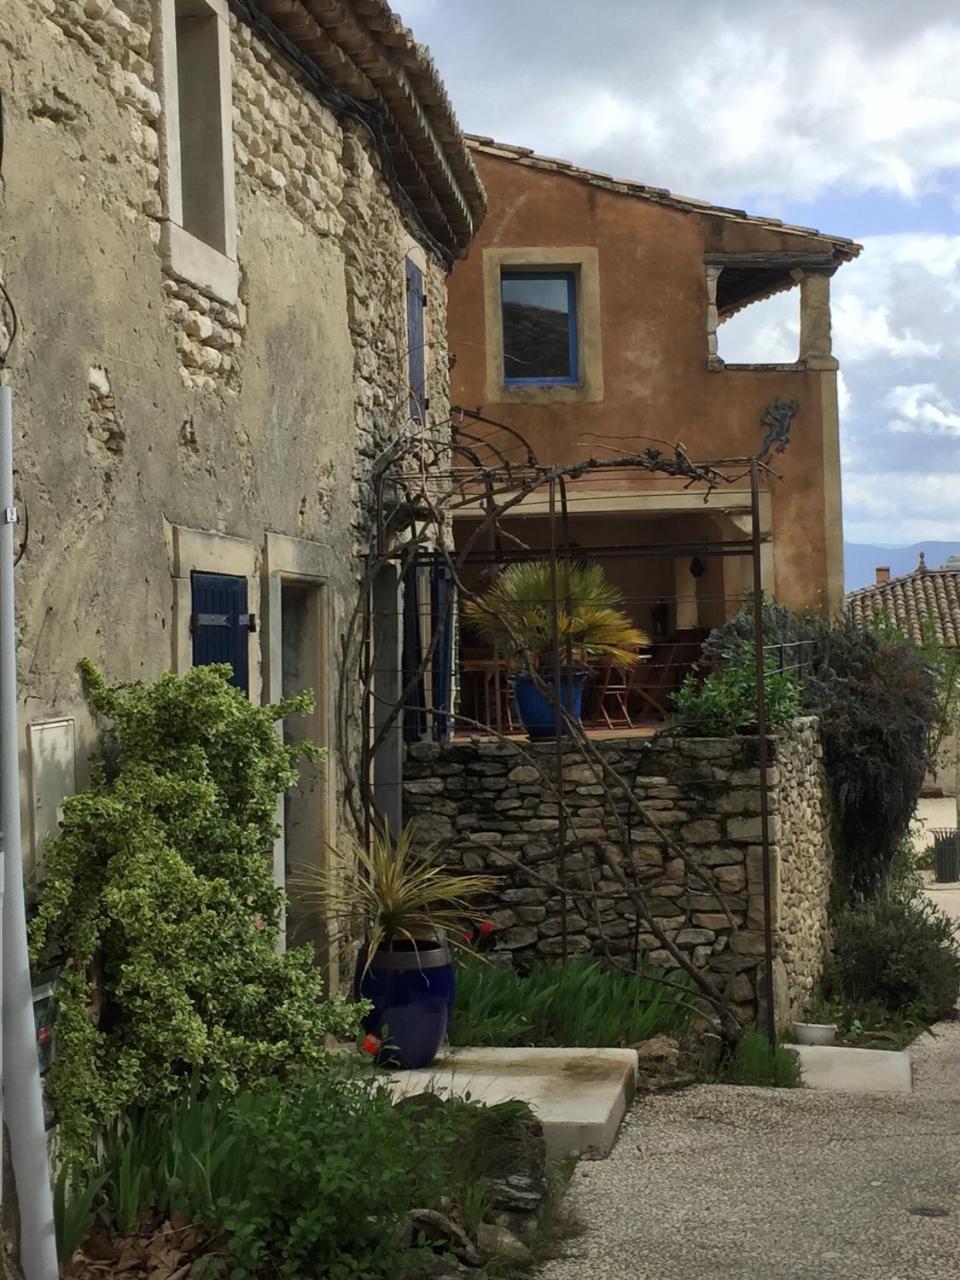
(493, 806)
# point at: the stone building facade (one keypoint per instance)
(492, 805)
(226, 228)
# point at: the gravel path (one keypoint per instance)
(766, 1184)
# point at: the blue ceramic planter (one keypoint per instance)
(412, 990)
(537, 712)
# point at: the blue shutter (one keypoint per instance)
(442, 589)
(414, 714)
(416, 363)
(220, 623)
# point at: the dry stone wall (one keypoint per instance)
(493, 806)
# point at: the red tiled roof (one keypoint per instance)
(913, 599)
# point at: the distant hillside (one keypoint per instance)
(860, 561)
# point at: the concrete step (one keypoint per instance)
(579, 1095)
(855, 1070)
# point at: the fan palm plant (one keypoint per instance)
(516, 614)
(390, 892)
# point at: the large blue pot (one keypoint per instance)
(535, 709)
(411, 987)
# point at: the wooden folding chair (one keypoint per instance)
(618, 685)
(652, 684)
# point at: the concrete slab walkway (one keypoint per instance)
(848, 1070)
(761, 1184)
(579, 1095)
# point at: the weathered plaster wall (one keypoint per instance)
(142, 402)
(656, 381)
(492, 806)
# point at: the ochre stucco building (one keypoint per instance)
(585, 316)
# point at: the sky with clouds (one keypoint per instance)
(839, 114)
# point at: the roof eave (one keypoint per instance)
(842, 248)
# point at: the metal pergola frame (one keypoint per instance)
(423, 483)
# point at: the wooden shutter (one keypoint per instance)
(442, 614)
(416, 363)
(220, 623)
(414, 714)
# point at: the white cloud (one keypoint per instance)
(899, 299)
(768, 332)
(891, 509)
(844, 395)
(717, 98)
(864, 330)
(922, 408)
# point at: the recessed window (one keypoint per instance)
(198, 237)
(539, 321)
(201, 122)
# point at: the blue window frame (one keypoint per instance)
(538, 314)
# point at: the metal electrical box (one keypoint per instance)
(53, 777)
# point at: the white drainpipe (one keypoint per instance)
(22, 1090)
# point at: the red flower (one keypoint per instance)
(485, 928)
(468, 937)
(371, 1044)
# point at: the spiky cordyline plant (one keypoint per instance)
(391, 891)
(516, 613)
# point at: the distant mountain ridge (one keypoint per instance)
(860, 560)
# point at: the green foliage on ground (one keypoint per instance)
(755, 1062)
(879, 699)
(724, 701)
(158, 898)
(905, 880)
(868, 1025)
(580, 1003)
(902, 955)
(298, 1179)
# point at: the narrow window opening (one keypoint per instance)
(539, 320)
(758, 317)
(201, 123)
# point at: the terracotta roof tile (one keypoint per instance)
(368, 53)
(911, 600)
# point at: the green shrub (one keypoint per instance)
(880, 700)
(867, 1025)
(905, 878)
(755, 1062)
(903, 955)
(310, 1178)
(877, 702)
(158, 898)
(725, 702)
(578, 1004)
